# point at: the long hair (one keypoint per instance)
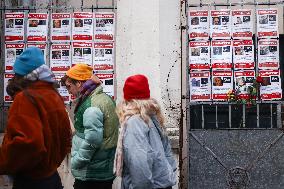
(144, 108)
(17, 84)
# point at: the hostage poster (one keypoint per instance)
(62, 89)
(12, 51)
(198, 21)
(7, 78)
(82, 27)
(82, 53)
(222, 83)
(108, 83)
(243, 80)
(243, 54)
(14, 26)
(42, 46)
(220, 24)
(61, 27)
(200, 86)
(103, 57)
(268, 54)
(60, 59)
(221, 54)
(267, 23)
(242, 27)
(37, 27)
(199, 55)
(104, 28)
(270, 88)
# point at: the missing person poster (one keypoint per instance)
(82, 27)
(242, 27)
(7, 78)
(199, 55)
(220, 24)
(243, 79)
(14, 26)
(41, 46)
(82, 53)
(60, 27)
(198, 21)
(243, 54)
(12, 51)
(222, 82)
(60, 59)
(268, 54)
(37, 27)
(200, 86)
(267, 23)
(104, 28)
(270, 88)
(103, 57)
(62, 89)
(221, 54)
(107, 83)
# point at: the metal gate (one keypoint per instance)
(230, 145)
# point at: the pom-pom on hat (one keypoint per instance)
(29, 60)
(136, 87)
(80, 72)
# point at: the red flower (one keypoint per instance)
(259, 79)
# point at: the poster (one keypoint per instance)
(37, 27)
(268, 54)
(82, 27)
(107, 83)
(103, 57)
(82, 53)
(60, 59)
(62, 89)
(198, 21)
(14, 26)
(61, 27)
(243, 79)
(11, 52)
(7, 77)
(222, 82)
(243, 54)
(221, 54)
(270, 88)
(200, 86)
(199, 55)
(220, 24)
(42, 46)
(242, 27)
(267, 23)
(104, 28)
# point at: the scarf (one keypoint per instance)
(42, 73)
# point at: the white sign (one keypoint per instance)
(198, 21)
(103, 57)
(7, 77)
(221, 54)
(242, 27)
(60, 59)
(62, 89)
(200, 86)
(270, 88)
(14, 26)
(243, 54)
(82, 53)
(222, 82)
(267, 23)
(82, 27)
(199, 55)
(41, 46)
(220, 24)
(104, 29)
(12, 51)
(107, 83)
(243, 79)
(61, 27)
(37, 27)
(268, 54)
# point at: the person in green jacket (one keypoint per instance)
(96, 125)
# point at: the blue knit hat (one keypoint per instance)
(29, 60)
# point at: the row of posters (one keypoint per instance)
(207, 86)
(237, 54)
(238, 24)
(106, 78)
(79, 26)
(100, 55)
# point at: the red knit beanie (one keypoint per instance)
(136, 87)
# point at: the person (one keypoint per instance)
(96, 125)
(241, 85)
(144, 158)
(38, 134)
(216, 21)
(56, 24)
(78, 22)
(217, 81)
(33, 23)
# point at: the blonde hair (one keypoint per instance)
(144, 108)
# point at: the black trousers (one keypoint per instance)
(79, 184)
(52, 182)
